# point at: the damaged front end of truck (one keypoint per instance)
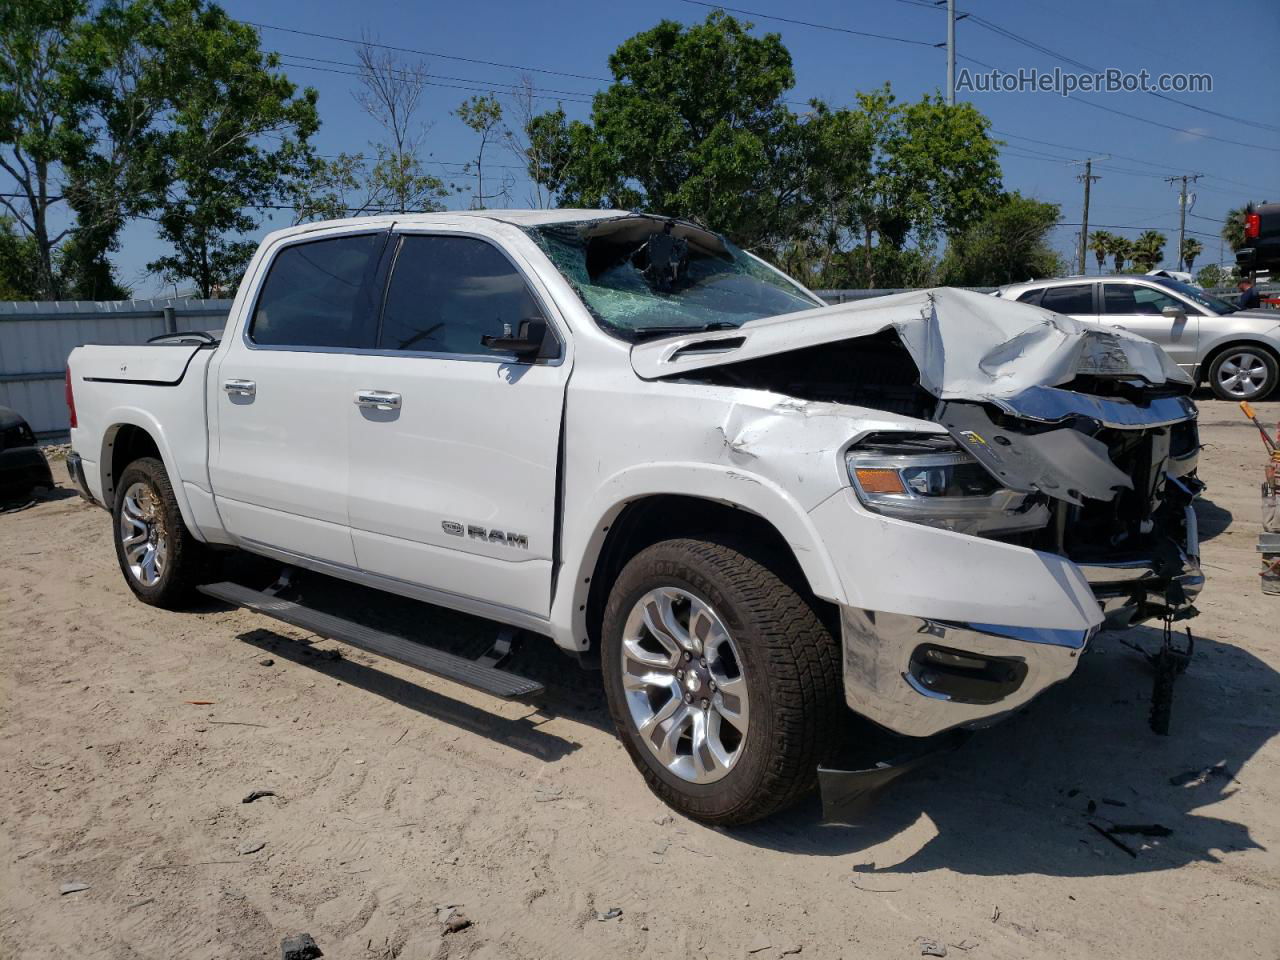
(999, 482)
(1077, 445)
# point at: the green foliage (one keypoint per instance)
(19, 264)
(483, 115)
(693, 126)
(1100, 243)
(211, 163)
(1212, 276)
(1148, 250)
(1121, 249)
(1191, 248)
(159, 108)
(1010, 243)
(1233, 228)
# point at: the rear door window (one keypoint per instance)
(320, 294)
(448, 292)
(1077, 298)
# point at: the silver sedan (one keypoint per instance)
(1236, 351)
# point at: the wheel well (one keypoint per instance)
(127, 444)
(650, 520)
(1203, 373)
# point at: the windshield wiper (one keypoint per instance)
(644, 333)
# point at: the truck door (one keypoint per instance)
(454, 445)
(1156, 315)
(278, 458)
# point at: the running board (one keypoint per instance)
(499, 683)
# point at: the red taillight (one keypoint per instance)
(71, 400)
(1252, 225)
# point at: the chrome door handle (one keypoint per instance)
(240, 388)
(377, 400)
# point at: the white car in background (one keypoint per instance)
(1236, 351)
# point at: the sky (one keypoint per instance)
(564, 46)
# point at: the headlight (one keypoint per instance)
(928, 479)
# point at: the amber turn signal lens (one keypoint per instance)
(873, 480)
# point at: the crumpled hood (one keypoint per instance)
(966, 345)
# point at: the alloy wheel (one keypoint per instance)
(142, 534)
(685, 684)
(1242, 374)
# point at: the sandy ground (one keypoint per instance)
(397, 793)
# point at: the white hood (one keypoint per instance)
(966, 345)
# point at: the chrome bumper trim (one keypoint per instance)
(1051, 404)
(879, 683)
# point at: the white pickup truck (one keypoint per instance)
(752, 511)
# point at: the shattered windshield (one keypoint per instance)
(646, 276)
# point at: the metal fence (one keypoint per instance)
(35, 339)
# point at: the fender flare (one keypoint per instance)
(136, 417)
(584, 536)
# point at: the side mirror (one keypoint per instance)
(528, 345)
(1174, 313)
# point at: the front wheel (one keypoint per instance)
(722, 680)
(160, 559)
(1243, 373)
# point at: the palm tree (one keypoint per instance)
(1191, 248)
(1148, 249)
(1099, 243)
(1233, 229)
(1121, 249)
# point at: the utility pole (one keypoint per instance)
(1088, 177)
(1182, 210)
(951, 47)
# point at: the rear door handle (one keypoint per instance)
(240, 388)
(377, 400)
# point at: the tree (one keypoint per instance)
(483, 114)
(530, 152)
(40, 113)
(1148, 250)
(1099, 243)
(392, 96)
(1191, 248)
(19, 264)
(212, 165)
(1121, 249)
(1009, 243)
(1233, 228)
(694, 125)
(1212, 276)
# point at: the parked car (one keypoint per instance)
(23, 467)
(1261, 250)
(752, 511)
(1236, 351)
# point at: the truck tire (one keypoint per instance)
(160, 559)
(721, 678)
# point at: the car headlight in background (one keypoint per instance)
(927, 479)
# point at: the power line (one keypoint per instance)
(429, 83)
(427, 53)
(402, 74)
(809, 23)
(1071, 61)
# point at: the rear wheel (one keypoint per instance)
(722, 680)
(1243, 373)
(160, 559)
